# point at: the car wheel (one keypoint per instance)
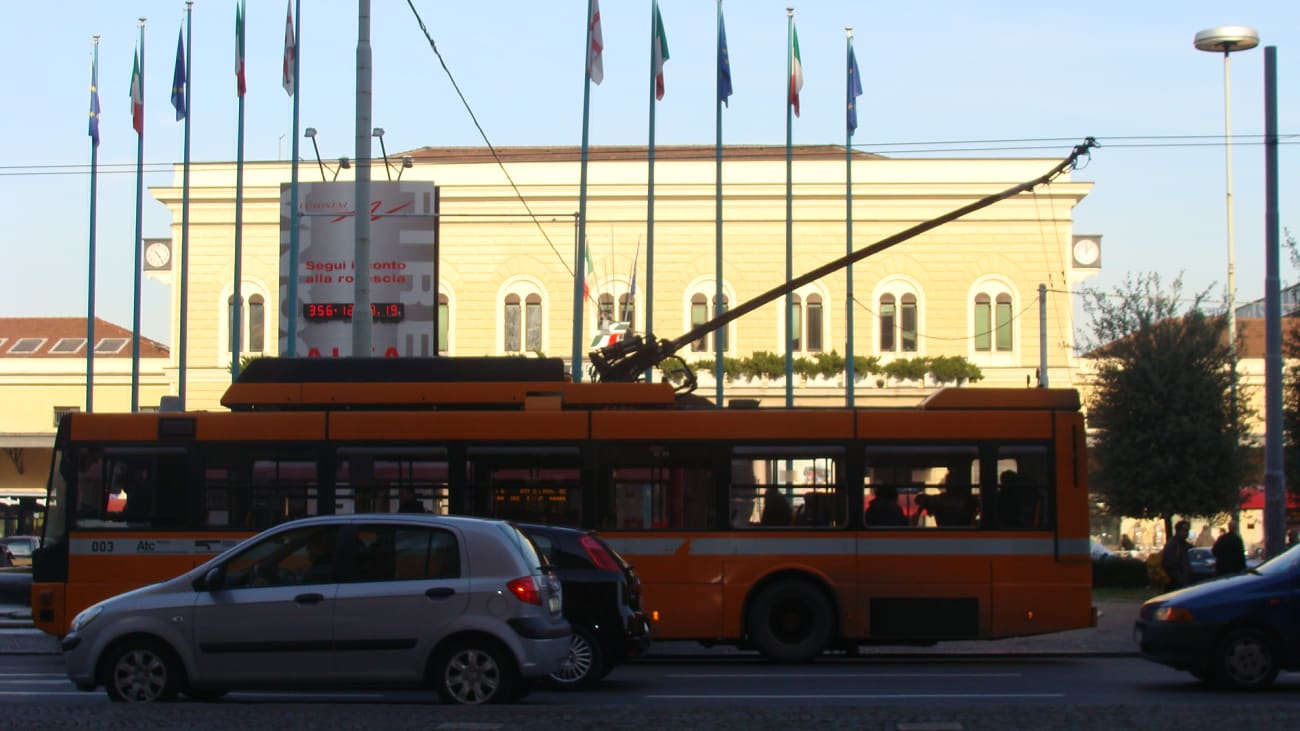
(142, 671)
(791, 621)
(1246, 659)
(473, 673)
(584, 666)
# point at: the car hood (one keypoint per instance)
(1213, 590)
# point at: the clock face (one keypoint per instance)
(1086, 252)
(157, 255)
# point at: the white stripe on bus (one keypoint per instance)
(141, 545)
(806, 545)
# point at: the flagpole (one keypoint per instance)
(139, 237)
(185, 208)
(237, 298)
(576, 363)
(789, 208)
(294, 219)
(650, 190)
(90, 286)
(719, 337)
(850, 397)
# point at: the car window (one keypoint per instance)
(301, 556)
(399, 553)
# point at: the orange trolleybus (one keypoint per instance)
(765, 528)
(792, 530)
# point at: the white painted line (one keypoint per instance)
(852, 696)
(843, 675)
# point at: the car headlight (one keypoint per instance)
(1173, 614)
(86, 617)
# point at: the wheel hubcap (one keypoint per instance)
(140, 676)
(578, 663)
(473, 677)
(1248, 661)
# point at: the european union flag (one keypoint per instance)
(94, 102)
(179, 78)
(854, 90)
(724, 63)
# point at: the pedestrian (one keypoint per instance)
(1229, 552)
(1175, 560)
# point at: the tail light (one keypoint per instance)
(525, 590)
(600, 556)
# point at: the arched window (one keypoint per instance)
(796, 322)
(814, 329)
(907, 322)
(249, 318)
(606, 309)
(444, 322)
(888, 315)
(700, 314)
(533, 321)
(993, 325)
(626, 309)
(256, 324)
(511, 317)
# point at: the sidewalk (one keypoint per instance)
(1113, 635)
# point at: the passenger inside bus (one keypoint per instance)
(884, 509)
(954, 507)
(776, 508)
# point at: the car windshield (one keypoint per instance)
(1282, 563)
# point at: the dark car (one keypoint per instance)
(19, 548)
(1203, 562)
(602, 600)
(1238, 631)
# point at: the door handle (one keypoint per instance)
(309, 598)
(440, 592)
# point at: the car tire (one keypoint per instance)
(474, 672)
(585, 664)
(1246, 659)
(791, 621)
(142, 671)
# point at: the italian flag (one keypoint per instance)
(796, 72)
(589, 284)
(241, 85)
(660, 45)
(137, 98)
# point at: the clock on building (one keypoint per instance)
(1087, 251)
(157, 254)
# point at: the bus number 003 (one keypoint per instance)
(101, 546)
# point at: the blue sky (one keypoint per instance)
(1036, 76)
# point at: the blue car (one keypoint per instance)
(1237, 631)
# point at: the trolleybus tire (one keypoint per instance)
(791, 621)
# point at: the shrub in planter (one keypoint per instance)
(1120, 573)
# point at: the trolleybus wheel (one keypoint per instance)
(791, 621)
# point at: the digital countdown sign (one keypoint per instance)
(342, 311)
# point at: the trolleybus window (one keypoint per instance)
(937, 486)
(783, 486)
(253, 487)
(135, 488)
(656, 487)
(373, 480)
(1024, 498)
(537, 484)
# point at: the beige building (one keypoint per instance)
(43, 376)
(967, 288)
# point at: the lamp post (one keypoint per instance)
(310, 133)
(1226, 39)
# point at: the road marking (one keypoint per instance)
(851, 696)
(27, 681)
(843, 675)
(44, 693)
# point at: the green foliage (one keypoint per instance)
(954, 369)
(908, 369)
(864, 366)
(731, 367)
(762, 364)
(1120, 573)
(1166, 439)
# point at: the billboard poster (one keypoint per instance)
(402, 228)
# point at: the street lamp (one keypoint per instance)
(310, 133)
(1226, 39)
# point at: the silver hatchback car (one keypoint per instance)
(461, 604)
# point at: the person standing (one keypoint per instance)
(1229, 552)
(1175, 560)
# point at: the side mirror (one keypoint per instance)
(213, 580)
